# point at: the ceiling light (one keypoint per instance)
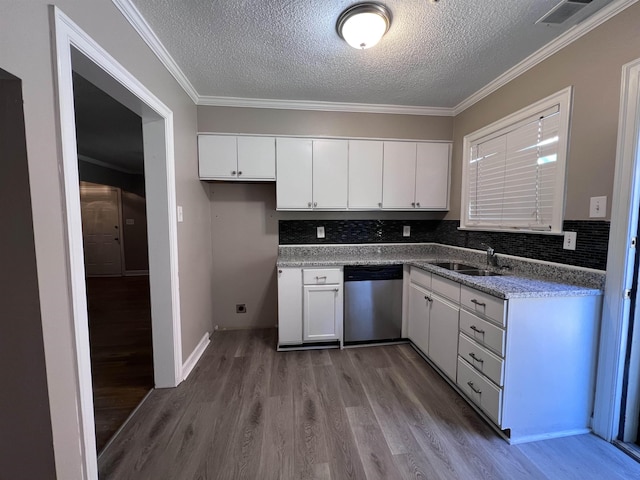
(363, 25)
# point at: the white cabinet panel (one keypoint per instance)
(418, 317)
(432, 176)
(365, 174)
(399, 170)
(294, 170)
(443, 335)
(289, 306)
(322, 317)
(330, 170)
(217, 156)
(256, 158)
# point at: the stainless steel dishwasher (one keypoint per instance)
(372, 303)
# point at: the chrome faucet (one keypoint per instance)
(491, 254)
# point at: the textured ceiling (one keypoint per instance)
(435, 54)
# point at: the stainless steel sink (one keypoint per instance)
(480, 273)
(464, 269)
(458, 267)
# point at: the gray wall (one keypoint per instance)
(25, 438)
(593, 65)
(244, 221)
(26, 51)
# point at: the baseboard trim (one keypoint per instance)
(192, 361)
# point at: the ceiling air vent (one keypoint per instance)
(563, 11)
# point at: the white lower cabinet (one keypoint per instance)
(432, 323)
(322, 317)
(289, 306)
(527, 363)
(310, 305)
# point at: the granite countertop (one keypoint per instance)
(521, 281)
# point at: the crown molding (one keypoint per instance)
(323, 106)
(545, 52)
(137, 21)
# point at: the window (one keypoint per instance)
(514, 170)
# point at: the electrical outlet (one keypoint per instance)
(570, 239)
(320, 232)
(406, 231)
(180, 218)
(241, 308)
(598, 207)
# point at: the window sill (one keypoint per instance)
(511, 230)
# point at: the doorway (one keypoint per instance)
(76, 51)
(114, 231)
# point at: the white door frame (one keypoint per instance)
(620, 258)
(160, 188)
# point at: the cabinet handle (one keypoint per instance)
(233, 172)
(279, 271)
(428, 299)
(413, 204)
(480, 304)
(477, 390)
(473, 355)
(476, 329)
(418, 204)
(336, 289)
(315, 204)
(324, 277)
(379, 204)
(239, 173)
(309, 204)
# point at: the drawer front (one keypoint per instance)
(480, 390)
(483, 332)
(481, 359)
(321, 276)
(483, 304)
(421, 277)
(445, 287)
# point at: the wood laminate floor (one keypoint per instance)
(121, 349)
(249, 412)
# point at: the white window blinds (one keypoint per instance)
(513, 177)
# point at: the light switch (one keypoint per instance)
(320, 232)
(406, 231)
(570, 239)
(598, 207)
(180, 213)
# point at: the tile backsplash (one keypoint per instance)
(590, 252)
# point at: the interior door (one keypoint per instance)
(100, 209)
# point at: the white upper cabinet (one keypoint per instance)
(365, 174)
(330, 170)
(399, 175)
(416, 176)
(294, 159)
(256, 158)
(218, 156)
(432, 176)
(231, 157)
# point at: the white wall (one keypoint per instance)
(26, 51)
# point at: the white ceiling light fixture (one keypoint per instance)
(364, 24)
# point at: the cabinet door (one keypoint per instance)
(398, 176)
(257, 158)
(330, 170)
(289, 306)
(432, 176)
(217, 156)
(322, 317)
(418, 317)
(365, 174)
(443, 335)
(293, 164)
